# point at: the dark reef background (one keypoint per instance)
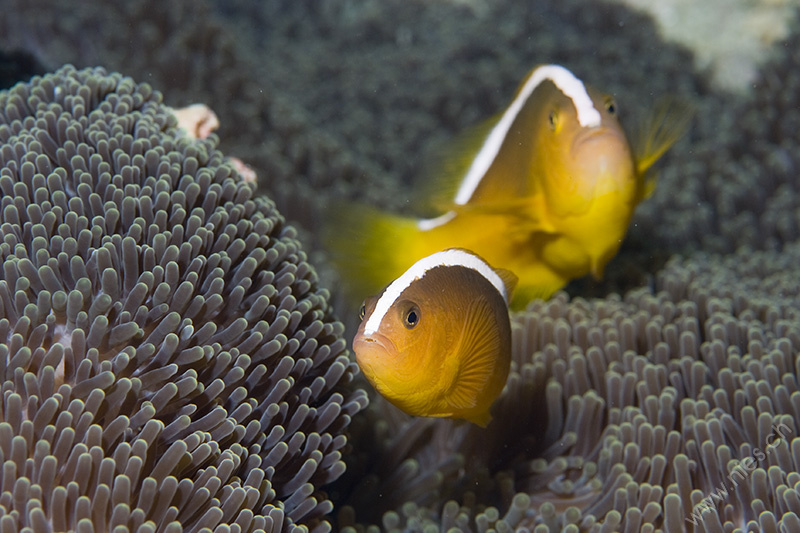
(345, 100)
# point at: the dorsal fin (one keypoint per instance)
(510, 280)
(447, 166)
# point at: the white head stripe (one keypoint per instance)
(451, 257)
(566, 82)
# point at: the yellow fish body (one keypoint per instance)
(437, 341)
(548, 195)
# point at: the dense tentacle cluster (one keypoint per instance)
(672, 409)
(168, 361)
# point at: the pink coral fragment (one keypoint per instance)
(198, 120)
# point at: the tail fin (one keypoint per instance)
(663, 127)
(369, 248)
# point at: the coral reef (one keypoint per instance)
(730, 39)
(168, 359)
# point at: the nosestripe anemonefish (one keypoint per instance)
(546, 190)
(437, 341)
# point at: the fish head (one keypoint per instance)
(446, 313)
(392, 353)
(585, 160)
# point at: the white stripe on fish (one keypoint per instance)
(451, 257)
(566, 82)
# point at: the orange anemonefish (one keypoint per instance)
(548, 192)
(437, 340)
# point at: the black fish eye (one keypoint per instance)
(553, 119)
(362, 311)
(411, 318)
(611, 106)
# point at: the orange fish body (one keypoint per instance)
(437, 341)
(548, 195)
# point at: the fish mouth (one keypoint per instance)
(602, 156)
(373, 353)
(365, 346)
(598, 138)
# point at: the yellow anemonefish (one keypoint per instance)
(437, 340)
(548, 194)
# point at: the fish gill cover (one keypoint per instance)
(168, 359)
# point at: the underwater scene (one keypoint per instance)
(400, 266)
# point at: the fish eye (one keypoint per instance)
(362, 311)
(553, 119)
(611, 106)
(411, 317)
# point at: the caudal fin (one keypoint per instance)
(368, 247)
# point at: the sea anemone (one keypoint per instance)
(168, 360)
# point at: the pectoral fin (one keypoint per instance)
(529, 212)
(477, 353)
(663, 127)
(649, 180)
